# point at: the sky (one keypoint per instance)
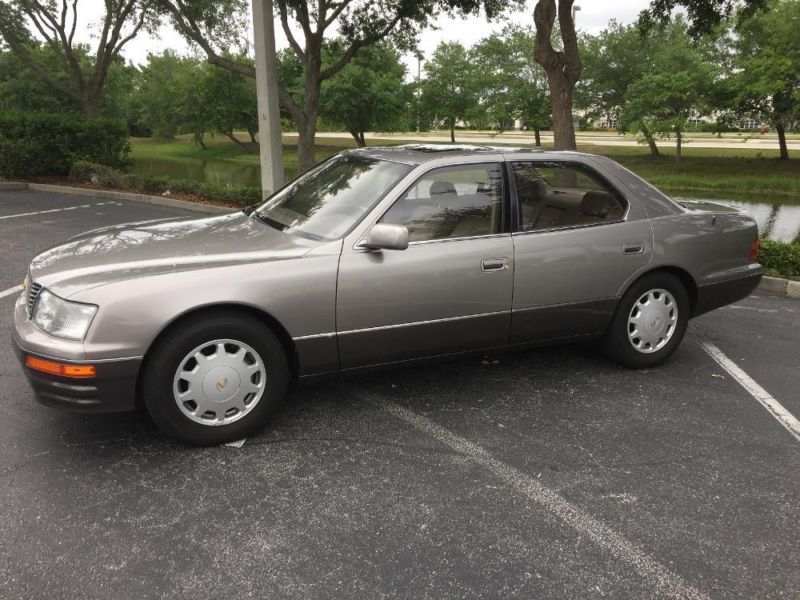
(592, 17)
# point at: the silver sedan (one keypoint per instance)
(374, 257)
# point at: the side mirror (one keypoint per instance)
(384, 236)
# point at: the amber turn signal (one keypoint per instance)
(56, 368)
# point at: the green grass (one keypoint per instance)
(746, 171)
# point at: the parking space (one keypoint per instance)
(540, 474)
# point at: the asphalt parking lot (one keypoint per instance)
(540, 474)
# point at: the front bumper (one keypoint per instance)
(112, 389)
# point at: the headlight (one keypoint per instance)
(62, 318)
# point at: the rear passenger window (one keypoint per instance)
(452, 202)
(552, 195)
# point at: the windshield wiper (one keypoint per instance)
(267, 221)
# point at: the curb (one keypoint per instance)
(112, 195)
(12, 186)
(776, 286)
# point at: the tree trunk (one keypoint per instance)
(678, 141)
(198, 138)
(562, 66)
(651, 142)
(537, 135)
(252, 135)
(306, 134)
(781, 130)
(561, 106)
(235, 140)
(307, 127)
(91, 108)
(358, 136)
(452, 131)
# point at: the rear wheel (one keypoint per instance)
(650, 322)
(215, 379)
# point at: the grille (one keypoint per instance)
(34, 289)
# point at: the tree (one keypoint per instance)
(162, 88)
(563, 67)
(448, 89)
(177, 94)
(677, 85)
(703, 16)
(767, 67)
(55, 24)
(21, 90)
(231, 104)
(359, 23)
(369, 94)
(512, 86)
(614, 60)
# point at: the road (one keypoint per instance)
(538, 474)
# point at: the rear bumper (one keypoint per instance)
(721, 293)
(112, 389)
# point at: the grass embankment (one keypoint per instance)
(702, 170)
(712, 170)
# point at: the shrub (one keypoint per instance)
(777, 258)
(36, 145)
(99, 175)
(103, 176)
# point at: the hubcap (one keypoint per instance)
(219, 382)
(652, 321)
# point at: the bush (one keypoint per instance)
(779, 259)
(37, 145)
(106, 177)
(99, 175)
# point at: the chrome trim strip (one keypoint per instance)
(568, 227)
(315, 336)
(543, 306)
(429, 322)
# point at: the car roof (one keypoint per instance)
(416, 154)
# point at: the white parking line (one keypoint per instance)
(9, 291)
(665, 581)
(764, 398)
(52, 210)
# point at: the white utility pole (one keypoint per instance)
(269, 112)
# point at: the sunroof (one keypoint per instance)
(433, 148)
(444, 148)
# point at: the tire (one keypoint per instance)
(240, 384)
(657, 331)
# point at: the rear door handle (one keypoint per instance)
(494, 264)
(633, 248)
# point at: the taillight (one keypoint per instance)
(753, 250)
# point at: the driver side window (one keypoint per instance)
(452, 202)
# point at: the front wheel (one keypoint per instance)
(215, 379)
(650, 322)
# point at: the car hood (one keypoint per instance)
(148, 248)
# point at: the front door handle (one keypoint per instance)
(494, 264)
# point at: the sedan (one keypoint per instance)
(375, 257)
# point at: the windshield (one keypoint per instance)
(330, 199)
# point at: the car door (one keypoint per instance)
(577, 241)
(450, 290)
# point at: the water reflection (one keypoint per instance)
(209, 171)
(776, 220)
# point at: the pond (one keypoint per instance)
(777, 218)
(210, 171)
